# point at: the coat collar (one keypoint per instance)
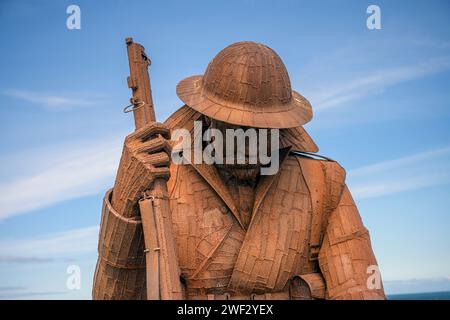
(213, 178)
(290, 139)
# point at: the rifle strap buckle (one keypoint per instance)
(133, 106)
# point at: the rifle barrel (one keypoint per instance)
(139, 82)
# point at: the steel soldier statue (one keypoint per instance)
(225, 231)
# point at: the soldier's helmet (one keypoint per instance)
(246, 84)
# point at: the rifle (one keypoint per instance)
(162, 269)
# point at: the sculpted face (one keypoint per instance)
(251, 138)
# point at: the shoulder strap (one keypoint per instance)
(184, 117)
(325, 180)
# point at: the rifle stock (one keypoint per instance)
(162, 269)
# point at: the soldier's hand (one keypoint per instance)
(145, 157)
(150, 147)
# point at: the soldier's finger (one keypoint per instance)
(162, 172)
(160, 159)
(154, 145)
(151, 131)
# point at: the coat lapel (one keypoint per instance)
(263, 188)
(212, 177)
(264, 185)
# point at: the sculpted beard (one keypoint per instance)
(242, 172)
(246, 172)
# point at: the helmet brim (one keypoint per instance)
(293, 114)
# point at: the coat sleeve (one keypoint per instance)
(346, 257)
(120, 270)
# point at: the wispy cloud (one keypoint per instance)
(417, 285)
(400, 162)
(412, 172)
(11, 288)
(54, 102)
(376, 81)
(21, 259)
(22, 277)
(59, 174)
(27, 294)
(57, 245)
(390, 186)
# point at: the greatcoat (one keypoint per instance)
(304, 231)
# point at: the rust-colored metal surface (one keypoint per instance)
(139, 83)
(144, 199)
(208, 234)
(246, 84)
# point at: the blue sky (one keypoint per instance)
(380, 100)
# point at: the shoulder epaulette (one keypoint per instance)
(310, 155)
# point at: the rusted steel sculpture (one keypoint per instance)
(224, 231)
